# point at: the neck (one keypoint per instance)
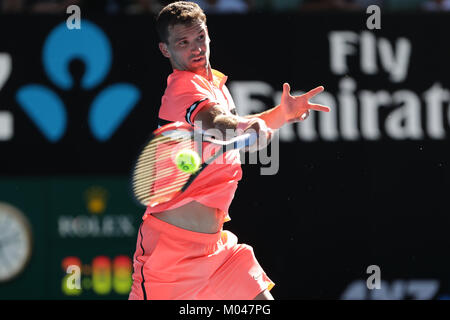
(205, 73)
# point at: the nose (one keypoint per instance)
(195, 48)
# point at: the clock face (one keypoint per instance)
(15, 242)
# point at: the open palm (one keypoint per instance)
(296, 108)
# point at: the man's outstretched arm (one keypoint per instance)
(291, 108)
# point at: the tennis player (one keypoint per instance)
(182, 251)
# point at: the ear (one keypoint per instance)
(164, 50)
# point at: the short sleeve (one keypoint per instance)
(185, 96)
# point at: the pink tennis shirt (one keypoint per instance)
(186, 94)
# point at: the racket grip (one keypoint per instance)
(246, 140)
(243, 124)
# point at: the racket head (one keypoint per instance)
(155, 178)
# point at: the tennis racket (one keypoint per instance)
(157, 179)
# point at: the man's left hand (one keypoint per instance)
(296, 108)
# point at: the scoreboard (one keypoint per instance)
(83, 233)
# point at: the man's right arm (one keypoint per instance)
(215, 116)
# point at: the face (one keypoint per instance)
(188, 47)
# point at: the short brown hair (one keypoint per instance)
(180, 12)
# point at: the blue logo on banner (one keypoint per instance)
(46, 109)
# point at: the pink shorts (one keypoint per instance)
(171, 263)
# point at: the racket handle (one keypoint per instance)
(246, 140)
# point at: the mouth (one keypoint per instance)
(198, 59)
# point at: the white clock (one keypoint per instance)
(15, 242)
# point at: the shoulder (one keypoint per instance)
(185, 81)
(185, 95)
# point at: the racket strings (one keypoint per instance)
(148, 157)
(156, 177)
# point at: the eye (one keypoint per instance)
(201, 37)
(182, 43)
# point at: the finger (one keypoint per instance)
(313, 92)
(319, 107)
(270, 134)
(264, 139)
(286, 88)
